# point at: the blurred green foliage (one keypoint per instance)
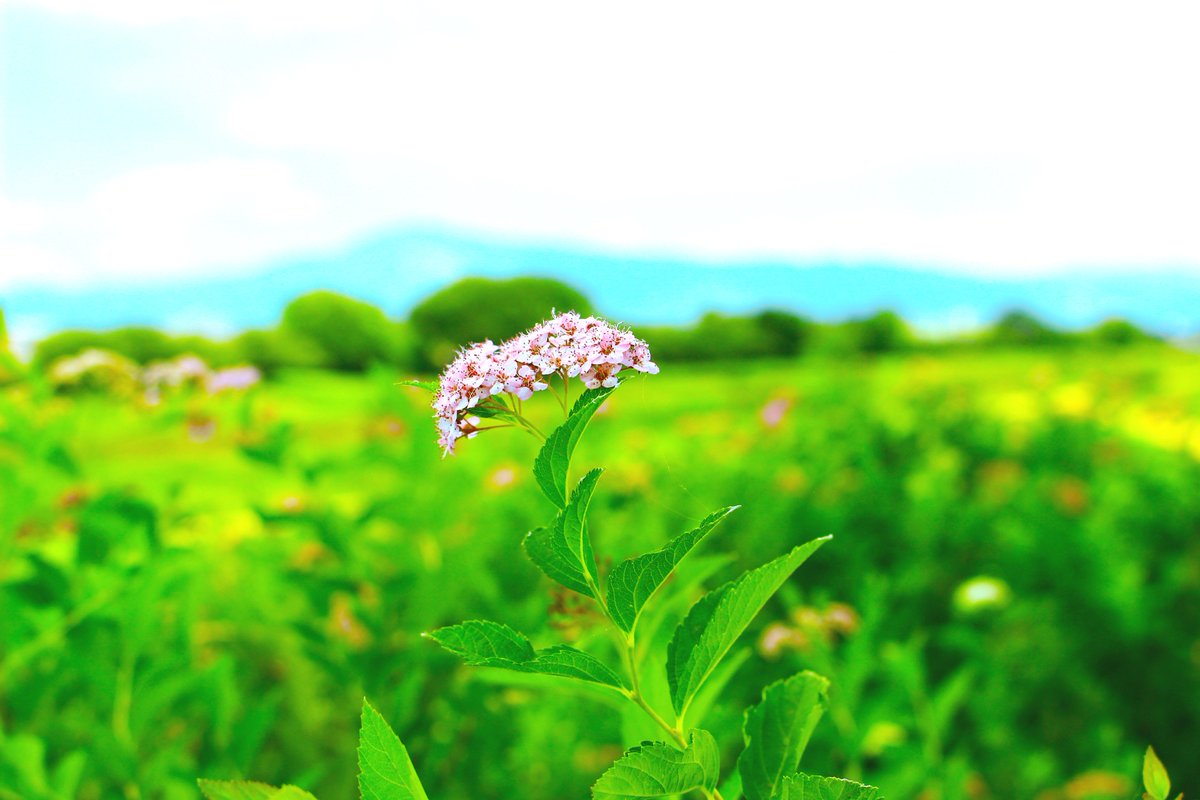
(474, 309)
(348, 333)
(207, 587)
(719, 337)
(10, 367)
(327, 329)
(141, 345)
(883, 332)
(273, 349)
(1022, 329)
(1119, 332)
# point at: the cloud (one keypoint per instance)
(1017, 138)
(262, 16)
(162, 221)
(927, 133)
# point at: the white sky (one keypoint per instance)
(150, 139)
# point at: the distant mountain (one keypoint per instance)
(397, 269)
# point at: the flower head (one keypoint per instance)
(233, 379)
(568, 345)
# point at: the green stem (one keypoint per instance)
(628, 644)
(560, 398)
(527, 425)
(637, 697)
(533, 428)
(123, 700)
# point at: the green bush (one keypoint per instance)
(66, 343)
(1119, 332)
(1022, 329)
(720, 337)
(141, 345)
(350, 334)
(321, 329)
(883, 332)
(214, 352)
(272, 349)
(787, 333)
(474, 309)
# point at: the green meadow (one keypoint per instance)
(207, 586)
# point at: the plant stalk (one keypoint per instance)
(637, 697)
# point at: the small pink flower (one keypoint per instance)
(774, 411)
(567, 345)
(503, 477)
(233, 379)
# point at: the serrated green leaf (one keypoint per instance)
(635, 580)
(567, 662)
(777, 731)
(236, 790)
(554, 459)
(487, 412)
(250, 790)
(656, 769)
(713, 690)
(1154, 776)
(429, 386)
(482, 641)
(814, 787)
(292, 793)
(490, 644)
(716, 621)
(563, 551)
(385, 772)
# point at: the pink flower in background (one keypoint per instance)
(183, 370)
(503, 477)
(774, 411)
(233, 379)
(187, 371)
(568, 345)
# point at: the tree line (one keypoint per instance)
(324, 329)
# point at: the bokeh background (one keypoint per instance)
(923, 276)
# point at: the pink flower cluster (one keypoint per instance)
(567, 345)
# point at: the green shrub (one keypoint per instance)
(272, 349)
(883, 332)
(350, 334)
(1022, 329)
(1119, 332)
(720, 337)
(66, 343)
(141, 345)
(787, 333)
(474, 309)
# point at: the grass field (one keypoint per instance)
(207, 587)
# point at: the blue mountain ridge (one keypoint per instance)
(396, 269)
